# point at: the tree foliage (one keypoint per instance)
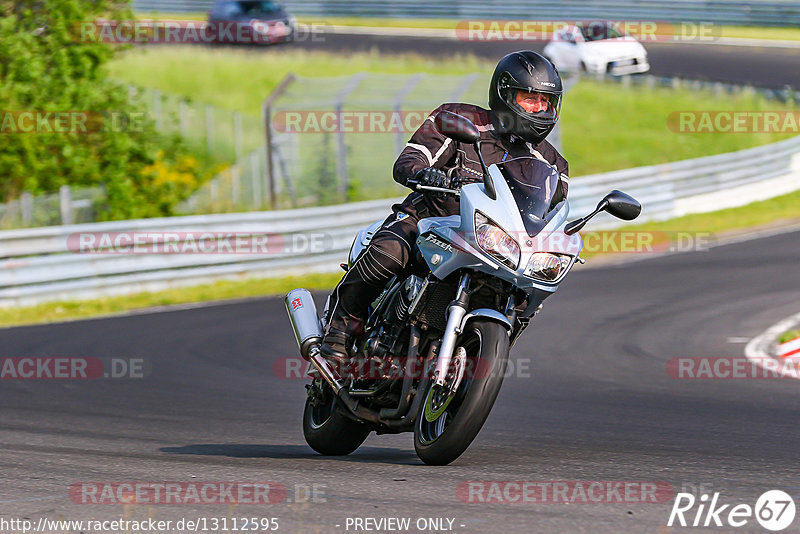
(47, 66)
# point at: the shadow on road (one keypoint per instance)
(234, 450)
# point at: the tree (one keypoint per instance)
(50, 70)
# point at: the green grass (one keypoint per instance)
(747, 32)
(780, 209)
(706, 227)
(605, 126)
(788, 336)
(785, 208)
(223, 290)
(241, 79)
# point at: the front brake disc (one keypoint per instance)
(439, 397)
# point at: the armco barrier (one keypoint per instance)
(36, 265)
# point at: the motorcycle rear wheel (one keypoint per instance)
(329, 432)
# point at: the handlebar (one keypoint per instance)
(420, 187)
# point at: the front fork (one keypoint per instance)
(455, 315)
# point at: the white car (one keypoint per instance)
(597, 48)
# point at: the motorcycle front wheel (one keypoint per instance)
(448, 421)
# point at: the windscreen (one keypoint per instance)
(253, 8)
(534, 184)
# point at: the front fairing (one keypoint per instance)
(449, 244)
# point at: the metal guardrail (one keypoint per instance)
(38, 265)
(761, 13)
(41, 264)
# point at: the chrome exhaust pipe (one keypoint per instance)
(308, 332)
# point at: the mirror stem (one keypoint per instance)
(577, 224)
(488, 183)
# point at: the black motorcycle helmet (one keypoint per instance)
(518, 77)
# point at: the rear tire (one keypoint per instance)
(329, 432)
(441, 441)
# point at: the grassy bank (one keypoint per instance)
(605, 126)
(222, 290)
(758, 214)
(788, 336)
(240, 79)
(741, 32)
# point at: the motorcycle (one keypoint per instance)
(433, 352)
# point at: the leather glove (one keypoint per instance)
(431, 177)
(465, 178)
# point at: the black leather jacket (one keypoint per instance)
(429, 148)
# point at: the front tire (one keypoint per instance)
(447, 436)
(326, 430)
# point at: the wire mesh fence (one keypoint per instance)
(331, 140)
(223, 135)
(68, 206)
(334, 140)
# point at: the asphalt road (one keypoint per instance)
(588, 399)
(760, 66)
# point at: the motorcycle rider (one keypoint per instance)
(524, 100)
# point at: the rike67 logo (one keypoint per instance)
(774, 510)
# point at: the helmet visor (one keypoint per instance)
(534, 104)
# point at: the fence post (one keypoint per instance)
(26, 207)
(236, 185)
(266, 116)
(400, 140)
(341, 146)
(237, 135)
(213, 194)
(157, 110)
(183, 120)
(256, 180)
(65, 201)
(209, 129)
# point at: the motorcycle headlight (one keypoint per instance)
(547, 266)
(496, 242)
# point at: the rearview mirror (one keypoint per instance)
(620, 205)
(456, 127)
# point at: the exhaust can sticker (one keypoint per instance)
(297, 304)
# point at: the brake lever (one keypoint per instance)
(444, 190)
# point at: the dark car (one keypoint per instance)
(250, 22)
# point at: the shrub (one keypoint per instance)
(45, 67)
